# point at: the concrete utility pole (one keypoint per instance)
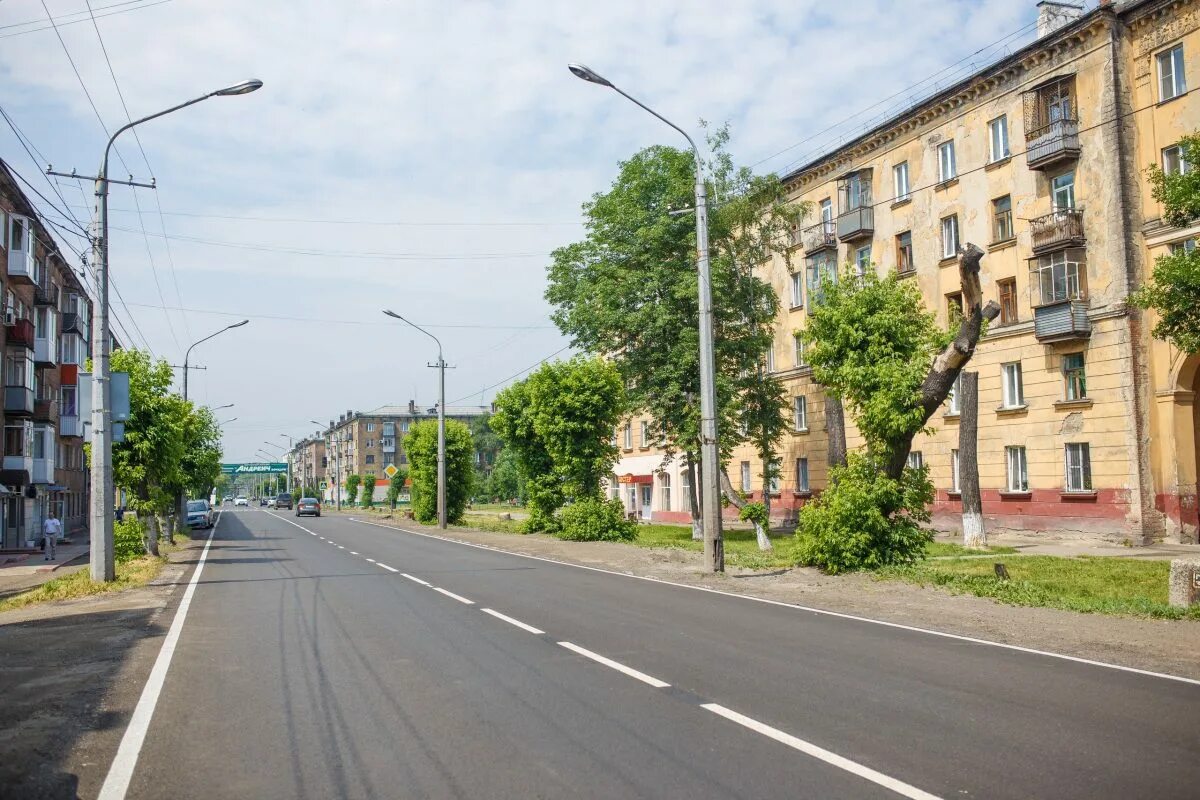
(441, 455)
(710, 456)
(100, 515)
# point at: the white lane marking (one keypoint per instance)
(415, 579)
(810, 609)
(120, 773)
(385, 566)
(618, 666)
(353, 552)
(808, 748)
(371, 560)
(512, 621)
(457, 597)
(341, 547)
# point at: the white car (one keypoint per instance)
(270, 502)
(240, 501)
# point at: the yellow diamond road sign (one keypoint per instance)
(391, 471)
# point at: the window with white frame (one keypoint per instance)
(862, 260)
(1014, 390)
(798, 351)
(800, 413)
(915, 459)
(1074, 377)
(947, 168)
(802, 474)
(952, 396)
(771, 358)
(645, 431)
(1186, 246)
(1017, 469)
(1173, 161)
(954, 486)
(950, 236)
(745, 476)
(370, 427)
(776, 474)
(1062, 191)
(827, 215)
(1171, 79)
(900, 181)
(998, 138)
(664, 486)
(628, 436)
(797, 289)
(1079, 467)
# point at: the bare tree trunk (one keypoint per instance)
(694, 499)
(949, 363)
(735, 497)
(152, 535)
(974, 534)
(835, 428)
(760, 535)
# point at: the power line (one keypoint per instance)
(510, 377)
(63, 20)
(26, 144)
(285, 318)
(376, 223)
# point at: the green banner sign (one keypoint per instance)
(254, 469)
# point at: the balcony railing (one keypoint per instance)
(1052, 143)
(21, 264)
(42, 471)
(45, 294)
(73, 323)
(18, 463)
(45, 352)
(70, 425)
(20, 332)
(822, 236)
(856, 223)
(1058, 229)
(1062, 321)
(18, 401)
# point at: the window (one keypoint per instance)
(954, 487)
(16, 240)
(915, 459)
(745, 476)
(1186, 246)
(827, 214)
(664, 485)
(628, 435)
(900, 181)
(947, 169)
(1173, 160)
(69, 401)
(998, 138)
(822, 268)
(904, 253)
(862, 260)
(771, 358)
(776, 472)
(404, 427)
(800, 413)
(1079, 467)
(370, 427)
(797, 289)
(645, 431)
(1014, 390)
(952, 398)
(18, 369)
(1002, 221)
(1062, 191)
(798, 352)
(950, 236)
(1171, 82)
(954, 308)
(1018, 470)
(802, 474)
(1074, 377)
(1008, 300)
(1060, 276)
(855, 190)
(370, 459)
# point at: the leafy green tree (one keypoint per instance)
(562, 418)
(506, 481)
(396, 486)
(352, 483)
(367, 484)
(487, 443)
(421, 446)
(629, 289)
(1174, 288)
(763, 407)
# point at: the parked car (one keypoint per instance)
(227, 498)
(308, 505)
(284, 501)
(262, 501)
(200, 514)
(240, 500)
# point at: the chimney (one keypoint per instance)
(349, 413)
(1053, 16)
(412, 406)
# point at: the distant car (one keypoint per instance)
(227, 498)
(308, 505)
(240, 501)
(200, 514)
(284, 501)
(262, 501)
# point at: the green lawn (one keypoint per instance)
(1103, 585)
(936, 549)
(741, 547)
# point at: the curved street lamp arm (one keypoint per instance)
(644, 107)
(391, 313)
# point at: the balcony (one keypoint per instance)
(1056, 230)
(20, 332)
(857, 223)
(45, 410)
(70, 426)
(42, 471)
(1063, 321)
(388, 445)
(21, 264)
(1052, 143)
(45, 352)
(19, 464)
(18, 401)
(73, 323)
(45, 294)
(821, 236)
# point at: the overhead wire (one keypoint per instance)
(327, 321)
(63, 20)
(510, 377)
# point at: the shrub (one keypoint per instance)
(129, 539)
(421, 445)
(754, 512)
(865, 520)
(595, 520)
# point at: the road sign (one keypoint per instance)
(390, 470)
(254, 469)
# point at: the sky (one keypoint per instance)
(419, 156)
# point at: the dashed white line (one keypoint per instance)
(512, 621)
(457, 597)
(385, 566)
(341, 547)
(810, 749)
(618, 666)
(353, 552)
(372, 560)
(415, 579)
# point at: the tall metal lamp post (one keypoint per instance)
(710, 458)
(441, 454)
(103, 567)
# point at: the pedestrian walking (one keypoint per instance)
(52, 529)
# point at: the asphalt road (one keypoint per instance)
(328, 658)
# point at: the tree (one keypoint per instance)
(763, 419)
(352, 482)
(974, 533)
(1174, 288)
(487, 443)
(200, 464)
(559, 421)
(506, 481)
(367, 485)
(396, 486)
(421, 445)
(629, 289)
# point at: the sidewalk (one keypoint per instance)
(1033, 545)
(34, 570)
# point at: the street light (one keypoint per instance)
(188, 354)
(710, 459)
(218, 408)
(226, 422)
(103, 567)
(441, 453)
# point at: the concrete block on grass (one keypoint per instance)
(1185, 582)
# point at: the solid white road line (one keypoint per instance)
(385, 566)
(512, 621)
(796, 606)
(116, 784)
(415, 579)
(457, 597)
(619, 667)
(808, 748)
